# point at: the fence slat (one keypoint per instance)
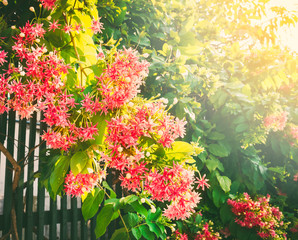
(53, 221)
(8, 173)
(63, 218)
(3, 129)
(30, 179)
(41, 190)
(74, 221)
(19, 191)
(84, 230)
(93, 225)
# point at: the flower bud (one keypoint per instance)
(145, 55)
(143, 200)
(5, 3)
(49, 18)
(22, 35)
(153, 209)
(13, 27)
(120, 149)
(32, 9)
(128, 175)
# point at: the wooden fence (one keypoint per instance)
(38, 216)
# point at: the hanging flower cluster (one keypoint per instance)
(81, 183)
(276, 122)
(121, 79)
(129, 153)
(260, 215)
(207, 233)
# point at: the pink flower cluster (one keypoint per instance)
(39, 78)
(207, 233)
(180, 236)
(174, 185)
(121, 80)
(258, 214)
(128, 153)
(276, 122)
(80, 184)
(294, 229)
(37, 85)
(125, 133)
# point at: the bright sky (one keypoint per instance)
(288, 36)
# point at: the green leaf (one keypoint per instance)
(218, 150)
(129, 199)
(57, 176)
(241, 127)
(136, 233)
(216, 136)
(198, 218)
(154, 228)
(214, 163)
(120, 234)
(139, 208)
(224, 182)
(180, 150)
(103, 220)
(154, 216)
(115, 202)
(112, 193)
(92, 202)
(78, 162)
(146, 232)
(132, 219)
(101, 121)
(226, 214)
(218, 196)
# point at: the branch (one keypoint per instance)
(17, 170)
(15, 165)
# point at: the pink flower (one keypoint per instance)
(54, 25)
(96, 26)
(49, 4)
(202, 182)
(77, 28)
(67, 28)
(3, 55)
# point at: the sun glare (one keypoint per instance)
(288, 36)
